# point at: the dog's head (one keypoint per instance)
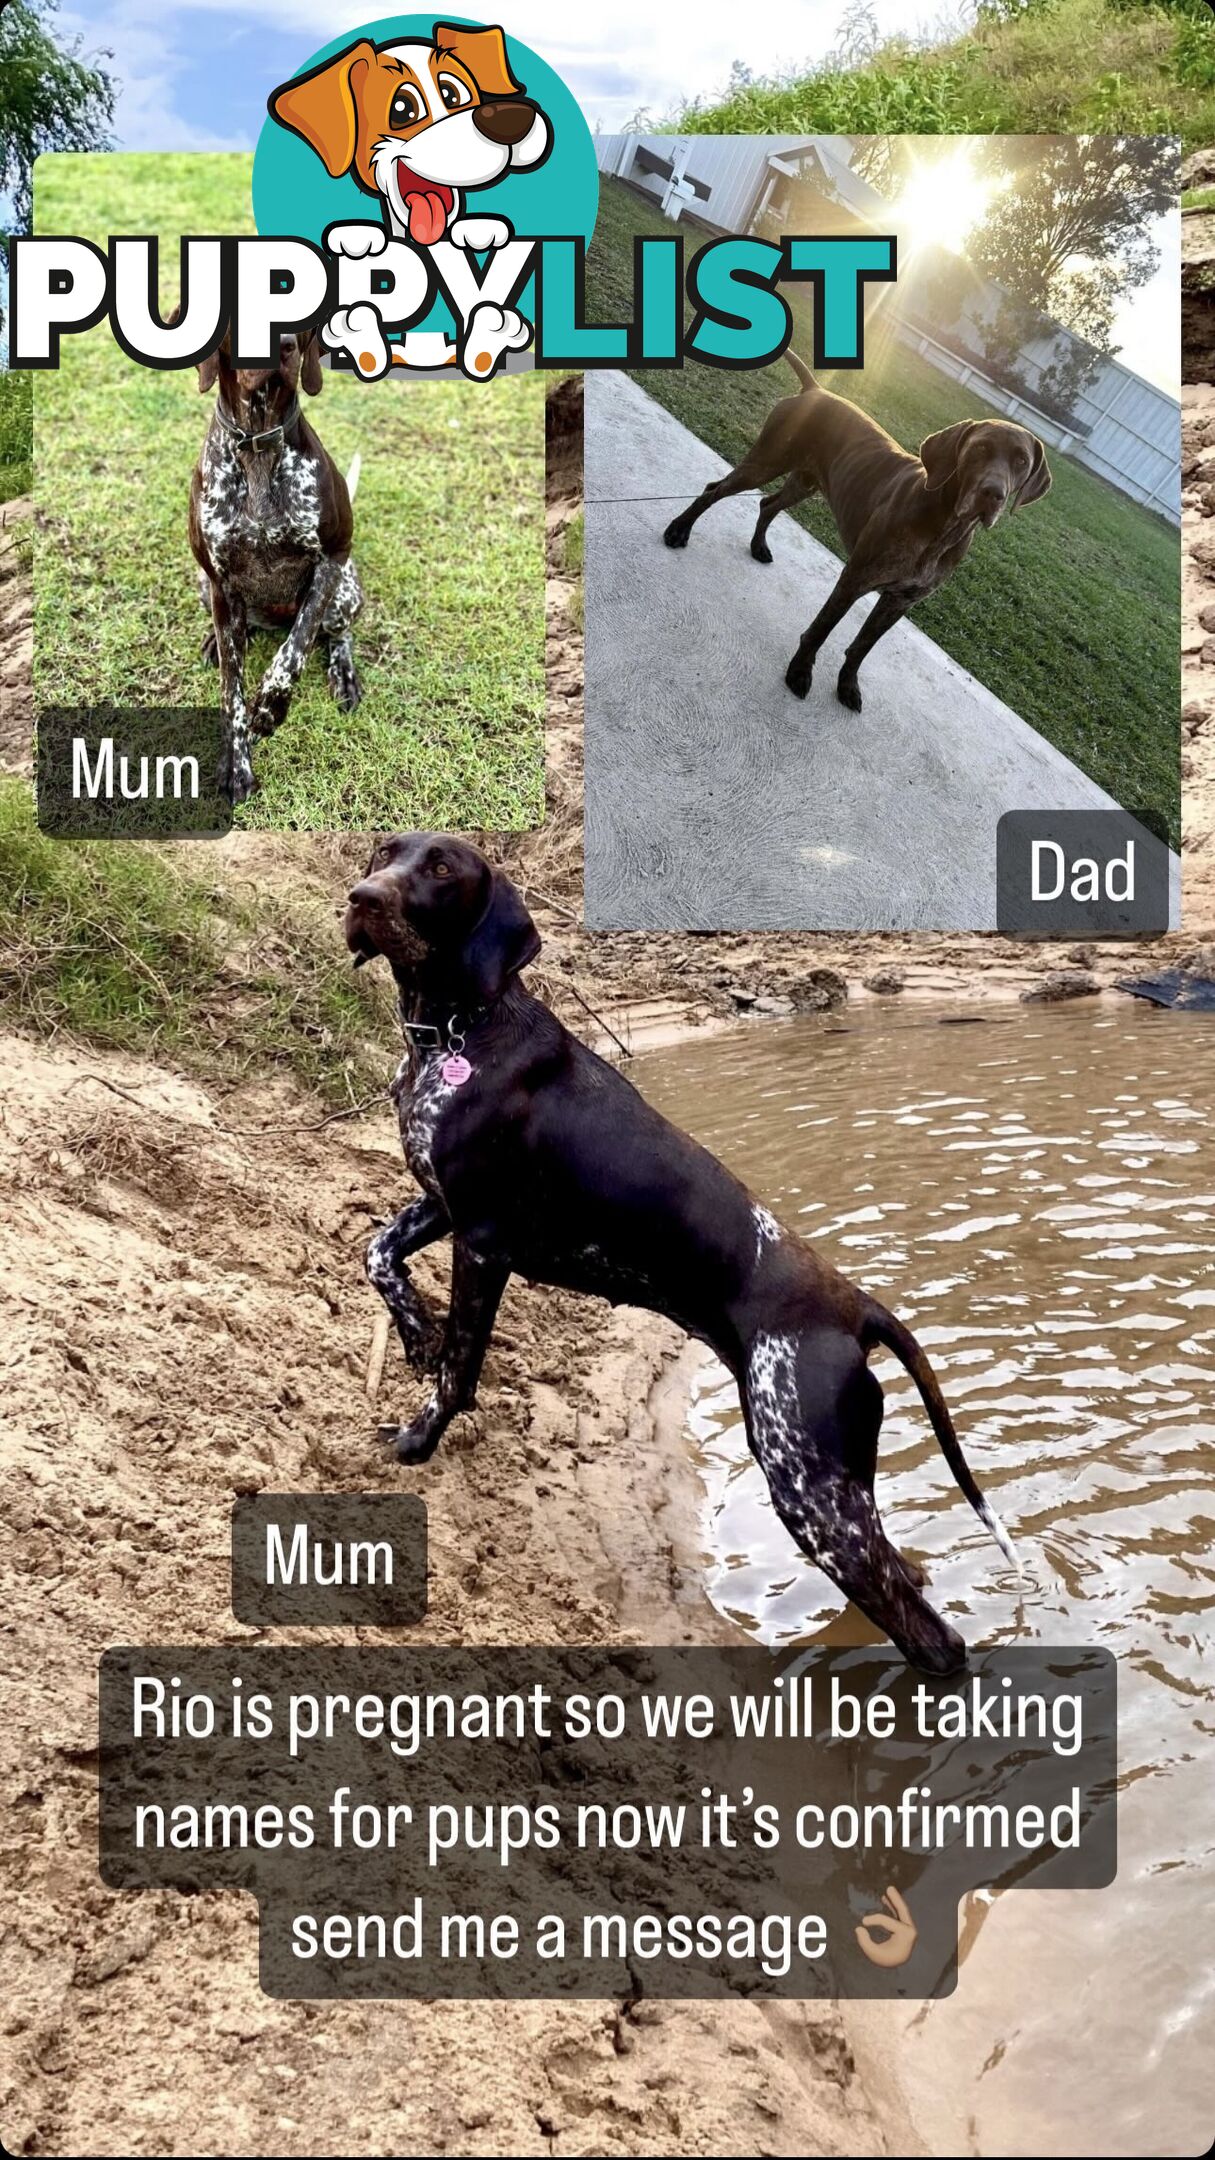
(442, 916)
(261, 396)
(988, 465)
(418, 122)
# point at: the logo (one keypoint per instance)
(424, 194)
(427, 158)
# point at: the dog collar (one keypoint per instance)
(248, 439)
(428, 1036)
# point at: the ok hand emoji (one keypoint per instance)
(894, 1945)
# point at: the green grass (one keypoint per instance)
(1070, 612)
(16, 441)
(129, 946)
(1202, 198)
(449, 543)
(1060, 66)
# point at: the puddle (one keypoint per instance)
(1036, 1197)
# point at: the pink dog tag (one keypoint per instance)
(456, 1070)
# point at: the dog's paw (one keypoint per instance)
(848, 691)
(480, 233)
(235, 776)
(676, 535)
(358, 331)
(344, 681)
(269, 711)
(356, 241)
(799, 677)
(761, 551)
(414, 1443)
(489, 334)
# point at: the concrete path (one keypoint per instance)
(714, 799)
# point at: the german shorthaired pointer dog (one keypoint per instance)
(906, 521)
(539, 1159)
(270, 528)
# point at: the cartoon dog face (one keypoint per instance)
(418, 122)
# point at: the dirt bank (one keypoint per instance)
(16, 639)
(187, 1320)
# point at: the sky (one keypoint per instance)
(195, 75)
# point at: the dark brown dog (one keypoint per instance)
(906, 521)
(270, 528)
(539, 1160)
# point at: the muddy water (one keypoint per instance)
(1036, 1196)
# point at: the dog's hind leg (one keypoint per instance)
(752, 473)
(477, 1283)
(795, 490)
(415, 1227)
(813, 1411)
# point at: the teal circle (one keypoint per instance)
(294, 195)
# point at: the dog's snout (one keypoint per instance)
(506, 122)
(365, 894)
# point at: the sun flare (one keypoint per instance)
(941, 200)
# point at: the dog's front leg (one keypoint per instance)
(477, 1283)
(414, 1228)
(235, 775)
(880, 619)
(800, 671)
(284, 671)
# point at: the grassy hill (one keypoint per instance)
(1108, 67)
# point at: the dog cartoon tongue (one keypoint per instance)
(426, 209)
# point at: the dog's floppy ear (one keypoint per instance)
(939, 453)
(505, 940)
(1038, 482)
(483, 53)
(320, 106)
(208, 369)
(311, 373)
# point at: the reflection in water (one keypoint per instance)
(1036, 1198)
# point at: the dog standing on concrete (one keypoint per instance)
(536, 1158)
(906, 521)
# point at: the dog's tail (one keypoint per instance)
(352, 477)
(884, 1328)
(802, 372)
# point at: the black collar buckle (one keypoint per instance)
(247, 439)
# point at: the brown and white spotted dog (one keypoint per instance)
(538, 1159)
(270, 528)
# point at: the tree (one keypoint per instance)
(50, 99)
(1070, 231)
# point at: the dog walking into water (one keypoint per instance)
(906, 520)
(538, 1159)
